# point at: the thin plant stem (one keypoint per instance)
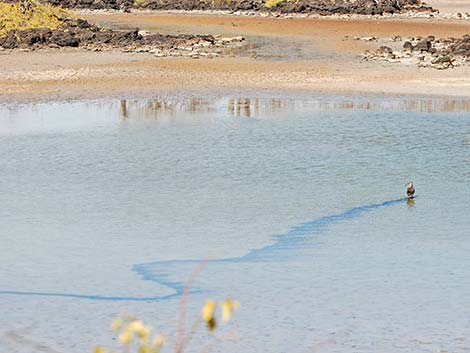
(180, 338)
(191, 333)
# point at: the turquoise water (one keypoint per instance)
(296, 207)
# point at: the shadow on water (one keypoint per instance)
(286, 246)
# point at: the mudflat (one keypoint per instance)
(279, 54)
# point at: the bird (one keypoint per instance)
(410, 189)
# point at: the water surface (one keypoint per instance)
(297, 206)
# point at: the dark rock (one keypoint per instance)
(83, 24)
(460, 46)
(64, 39)
(423, 45)
(81, 33)
(10, 41)
(407, 46)
(385, 50)
(443, 62)
(117, 37)
(24, 39)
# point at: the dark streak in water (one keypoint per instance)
(284, 245)
(90, 297)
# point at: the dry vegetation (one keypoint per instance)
(30, 15)
(272, 3)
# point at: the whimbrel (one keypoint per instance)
(410, 189)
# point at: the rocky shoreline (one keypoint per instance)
(441, 54)
(80, 33)
(321, 7)
(72, 32)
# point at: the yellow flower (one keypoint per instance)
(143, 332)
(135, 325)
(208, 310)
(144, 348)
(99, 350)
(126, 337)
(228, 306)
(139, 328)
(116, 325)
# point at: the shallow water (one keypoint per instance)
(296, 206)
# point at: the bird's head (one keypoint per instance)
(409, 184)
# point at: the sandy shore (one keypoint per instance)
(450, 6)
(295, 55)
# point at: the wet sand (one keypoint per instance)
(287, 55)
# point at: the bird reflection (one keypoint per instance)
(410, 202)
